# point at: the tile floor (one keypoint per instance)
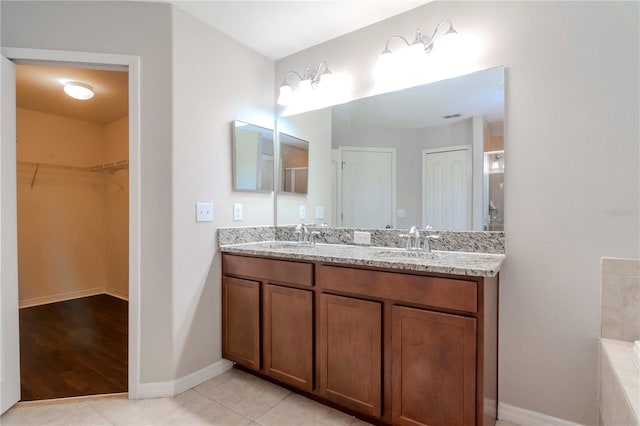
(232, 398)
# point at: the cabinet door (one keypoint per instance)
(434, 368)
(288, 335)
(349, 352)
(241, 321)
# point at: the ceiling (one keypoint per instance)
(39, 88)
(278, 29)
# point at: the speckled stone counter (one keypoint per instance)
(458, 263)
(466, 241)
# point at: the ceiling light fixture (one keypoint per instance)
(309, 80)
(77, 90)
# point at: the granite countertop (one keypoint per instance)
(444, 262)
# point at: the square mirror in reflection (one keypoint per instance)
(294, 164)
(253, 157)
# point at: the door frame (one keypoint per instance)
(423, 161)
(110, 61)
(340, 164)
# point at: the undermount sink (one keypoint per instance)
(408, 254)
(286, 245)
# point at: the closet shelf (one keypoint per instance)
(108, 168)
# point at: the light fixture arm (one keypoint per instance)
(287, 74)
(386, 46)
(426, 41)
(312, 75)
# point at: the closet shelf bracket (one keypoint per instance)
(35, 173)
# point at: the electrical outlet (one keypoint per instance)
(320, 212)
(204, 212)
(302, 212)
(237, 211)
(363, 238)
(402, 213)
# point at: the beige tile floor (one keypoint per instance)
(232, 398)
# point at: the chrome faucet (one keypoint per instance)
(413, 239)
(302, 232)
(305, 235)
(426, 247)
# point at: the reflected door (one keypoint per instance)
(368, 187)
(446, 189)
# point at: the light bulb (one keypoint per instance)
(284, 98)
(78, 90)
(304, 86)
(326, 78)
(384, 66)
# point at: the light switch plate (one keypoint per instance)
(401, 213)
(204, 212)
(302, 212)
(360, 237)
(237, 211)
(320, 212)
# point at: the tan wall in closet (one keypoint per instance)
(117, 148)
(68, 221)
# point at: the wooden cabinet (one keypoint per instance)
(395, 347)
(288, 335)
(434, 368)
(350, 352)
(241, 321)
(268, 317)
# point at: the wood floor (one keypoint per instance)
(72, 348)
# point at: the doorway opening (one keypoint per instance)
(73, 231)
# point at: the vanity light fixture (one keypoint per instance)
(309, 80)
(77, 90)
(445, 48)
(424, 43)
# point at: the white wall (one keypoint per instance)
(130, 28)
(215, 80)
(315, 128)
(572, 188)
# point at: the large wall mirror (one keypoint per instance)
(426, 155)
(253, 157)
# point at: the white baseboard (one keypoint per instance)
(523, 417)
(117, 293)
(174, 387)
(60, 297)
(201, 376)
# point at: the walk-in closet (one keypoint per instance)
(73, 231)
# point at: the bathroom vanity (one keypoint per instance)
(391, 336)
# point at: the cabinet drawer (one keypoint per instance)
(274, 270)
(445, 293)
